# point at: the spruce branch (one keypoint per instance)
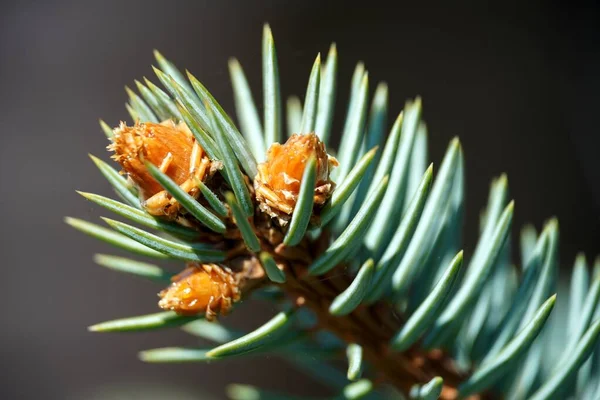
(365, 245)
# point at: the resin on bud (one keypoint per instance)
(207, 289)
(169, 146)
(277, 183)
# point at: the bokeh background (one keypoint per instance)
(520, 85)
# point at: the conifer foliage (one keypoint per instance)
(359, 245)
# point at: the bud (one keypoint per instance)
(277, 183)
(201, 289)
(169, 146)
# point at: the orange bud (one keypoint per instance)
(153, 142)
(199, 289)
(278, 180)
(173, 149)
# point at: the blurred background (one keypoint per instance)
(519, 86)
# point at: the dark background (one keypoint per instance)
(520, 86)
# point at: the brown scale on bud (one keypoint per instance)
(208, 289)
(277, 183)
(169, 146)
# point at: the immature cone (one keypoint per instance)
(277, 183)
(201, 289)
(169, 146)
